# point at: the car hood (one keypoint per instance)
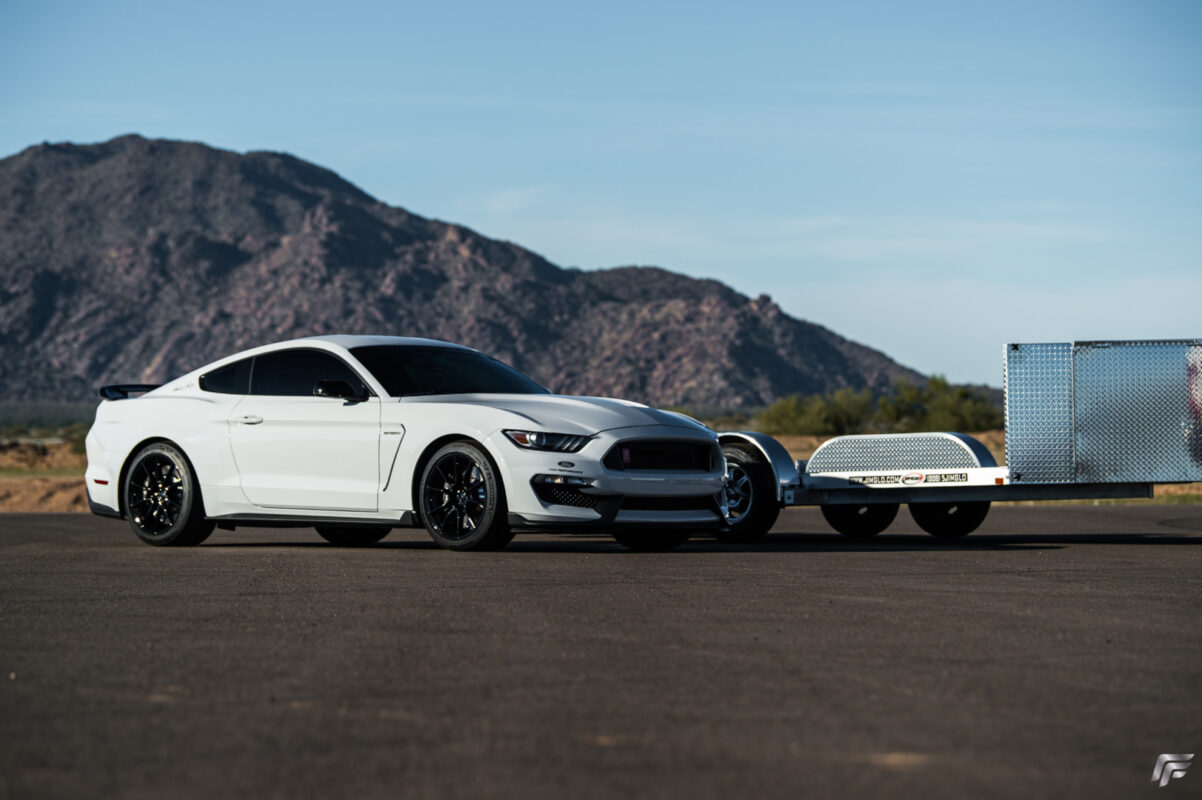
(567, 414)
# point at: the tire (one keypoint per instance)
(750, 496)
(860, 522)
(949, 520)
(651, 541)
(162, 498)
(462, 500)
(353, 535)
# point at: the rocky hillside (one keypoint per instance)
(136, 260)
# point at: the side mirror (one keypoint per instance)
(338, 389)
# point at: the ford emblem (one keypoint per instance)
(567, 464)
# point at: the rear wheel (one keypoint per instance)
(949, 520)
(651, 540)
(751, 507)
(462, 500)
(860, 521)
(352, 535)
(162, 498)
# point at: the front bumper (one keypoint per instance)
(624, 498)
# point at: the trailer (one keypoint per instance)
(1084, 420)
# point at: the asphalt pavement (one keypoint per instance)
(1055, 653)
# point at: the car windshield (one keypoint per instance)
(406, 370)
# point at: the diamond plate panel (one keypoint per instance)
(1137, 411)
(1039, 412)
(918, 451)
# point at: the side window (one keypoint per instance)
(295, 372)
(230, 379)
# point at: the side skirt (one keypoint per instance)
(230, 521)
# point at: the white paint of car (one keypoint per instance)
(325, 457)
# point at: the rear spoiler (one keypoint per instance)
(122, 391)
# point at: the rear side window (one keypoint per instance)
(230, 379)
(294, 373)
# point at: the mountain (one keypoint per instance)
(137, 260)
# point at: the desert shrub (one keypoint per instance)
(833, 414)
(75, 433)
(936, 406)
(933, 406)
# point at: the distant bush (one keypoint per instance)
(75, 433)
(836, 413)
(24, 416)
(938, 406)
(907, 408)
(67, 421)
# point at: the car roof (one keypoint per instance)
(333, 342)
(347, 341)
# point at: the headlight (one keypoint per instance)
(557, 442)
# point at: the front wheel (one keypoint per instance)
(353, 535)
(462, 500)
(651, 541)
(751, 507)
(860, 521)
(949, 520)
(162, 498)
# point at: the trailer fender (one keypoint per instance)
(784, 469)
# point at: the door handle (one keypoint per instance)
(250, 419)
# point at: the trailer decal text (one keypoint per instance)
(909, 479)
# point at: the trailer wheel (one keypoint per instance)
(862, 521)
(949, 520)
(750, 496)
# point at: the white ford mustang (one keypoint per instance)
(356, 435)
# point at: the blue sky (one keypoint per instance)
(931, 179)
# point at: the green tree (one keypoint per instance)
(833, 414)
(937, 406)
(907, 408)
(849, 411)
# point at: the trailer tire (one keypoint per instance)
(949, 520)
(860, 521)
(750, 496)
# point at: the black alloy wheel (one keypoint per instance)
(462, 500)
(949, 520)
(860, 521)
(162, 498)
(751, 505)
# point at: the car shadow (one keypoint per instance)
(976, 541)
(576, 543)
(790, 542)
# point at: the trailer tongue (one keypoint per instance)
(1084, 420)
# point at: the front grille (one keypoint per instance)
(664, 454)
(703, 502)
(565, 496)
